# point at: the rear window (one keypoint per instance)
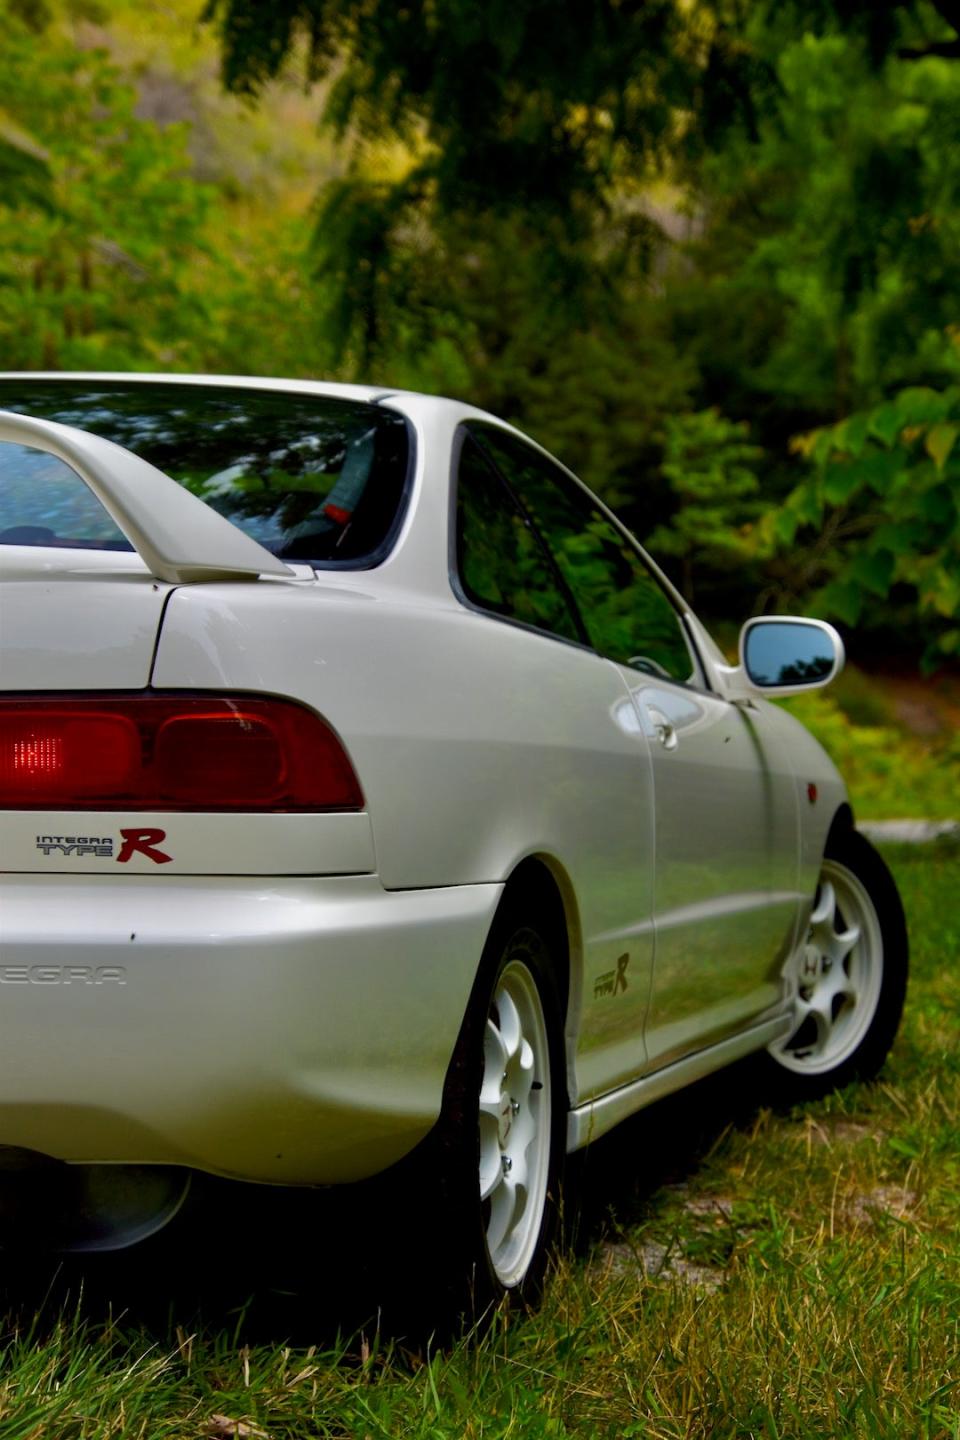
(311, 478)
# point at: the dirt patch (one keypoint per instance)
(927, 706)
(890, 1200)
(840, 1132)
(656, 1262)
(709, 1205)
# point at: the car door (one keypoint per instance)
(586, 791)
(724, 807)
(725, 890)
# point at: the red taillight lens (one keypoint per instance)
(50, 754)
(171, 753)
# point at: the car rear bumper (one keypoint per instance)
(293, 1031)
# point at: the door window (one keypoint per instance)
(627, 615)
(501, 561)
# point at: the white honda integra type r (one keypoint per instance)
(368, 795)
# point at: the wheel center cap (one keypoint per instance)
(506, 1119)
(810, 964)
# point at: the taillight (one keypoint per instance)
(172, 752)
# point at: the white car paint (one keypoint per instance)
(293, 1031)
(292, 985)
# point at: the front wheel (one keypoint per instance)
(848, 978)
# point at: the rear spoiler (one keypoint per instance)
(178, 537)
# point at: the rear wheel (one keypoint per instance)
(849, 976)
(516, 1112)
(493, 1165)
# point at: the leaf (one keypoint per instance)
(936, 506)
(921, 405)
(880, 468)
(803, 444)
(874, 571)
(823, 442)
(939, 442)
(785, 523)
(842, 598)
(855, 433)
(899, 539)
(840, 480)
(885, 423)
(809, 505)
(941, 592)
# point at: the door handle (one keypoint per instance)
(662, 728)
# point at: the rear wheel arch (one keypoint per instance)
(505, 1103)
(540, 888)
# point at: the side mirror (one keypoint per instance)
(786, 654)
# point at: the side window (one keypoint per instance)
(627, 614)
(500, 560)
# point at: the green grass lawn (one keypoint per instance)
(737, 1273)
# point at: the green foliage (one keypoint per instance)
(519, 106)
(113, 255)
(95, 278)
(894, 473)
(24, 171)
(711, 469)
(888, 773)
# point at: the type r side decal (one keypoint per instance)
(612, 982)
(133, 841)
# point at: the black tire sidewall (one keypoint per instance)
(854, 853)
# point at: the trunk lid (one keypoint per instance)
(76, 620)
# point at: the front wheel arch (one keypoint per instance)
(840, 826)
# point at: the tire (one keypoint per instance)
(848, 978)
(493, 1163)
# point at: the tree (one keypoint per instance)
(892, 474)
(711, 468)
(94, 262)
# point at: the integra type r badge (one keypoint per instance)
(132, 842)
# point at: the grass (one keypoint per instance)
(739, 1273)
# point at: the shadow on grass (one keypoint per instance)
(267, 1267)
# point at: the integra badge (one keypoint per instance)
(133, 841)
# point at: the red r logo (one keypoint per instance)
(143, 842)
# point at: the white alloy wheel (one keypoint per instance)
(515, 1123)
(837, 976)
